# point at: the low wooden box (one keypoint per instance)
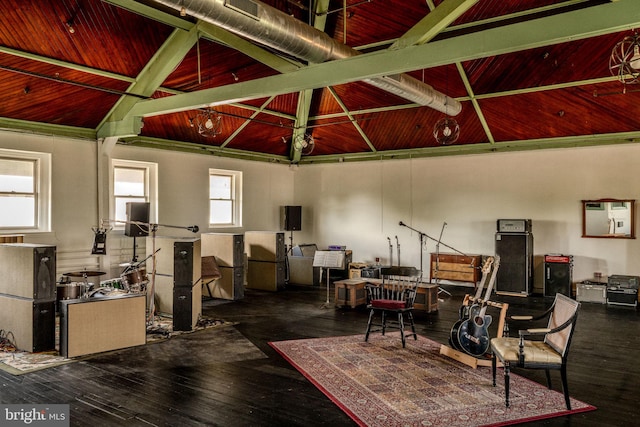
(426, 298)
(455, 267)
(350, 293)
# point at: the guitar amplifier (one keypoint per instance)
(618, 281)
(591, 292)
(622, 296)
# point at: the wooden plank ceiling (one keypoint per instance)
(529, 74)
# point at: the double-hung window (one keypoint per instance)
(225, 198)
(25, 191)
(132, 182)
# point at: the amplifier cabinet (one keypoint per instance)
(558, 273)
(587, 292)
(515, 274)
(90, 326)
(187, 306)
(626, 296)
(230, 286)
(172, 252)
(171, 300)
(267, 276)
(28, 270)
(187, 263)
(265, 246)
(32, 323)
(228, 248)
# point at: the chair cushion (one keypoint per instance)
(388, 304)
(535, 352)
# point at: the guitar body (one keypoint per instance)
(454, 341)
(473, 335)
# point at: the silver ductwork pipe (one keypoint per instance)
(270, 27)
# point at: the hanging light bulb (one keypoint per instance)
(446, 131)
(634, 62)
(183, 10)
(209, 123)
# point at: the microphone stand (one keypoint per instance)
(438, 241)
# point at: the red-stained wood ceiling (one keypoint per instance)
(559, 92)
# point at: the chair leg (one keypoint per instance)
(384, 321)
(565, 386)
(366, 335)
(506, 383)
(546, 371)
(401, 324)
(494, 366)
(413, 326)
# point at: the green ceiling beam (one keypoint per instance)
(47, 129)
(151, 13)
(156, 71)
(584, 23)
(432, 24)
(486, 148)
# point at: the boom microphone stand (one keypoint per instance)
(438, 241)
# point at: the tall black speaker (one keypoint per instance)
(515, 273)
(557, 275)
(291, 218)
(137, 212)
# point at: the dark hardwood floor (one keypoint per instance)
(230, 376)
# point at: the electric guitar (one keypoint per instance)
(473, 333)
(466, 308)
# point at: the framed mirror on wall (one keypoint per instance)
(609, 218)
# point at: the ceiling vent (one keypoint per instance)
(270, 27)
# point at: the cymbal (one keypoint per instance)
(85, 273)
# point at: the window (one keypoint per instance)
(225, 197)
(132, 182)
(25, 191)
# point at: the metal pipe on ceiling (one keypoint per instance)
(270, 27)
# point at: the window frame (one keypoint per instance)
(236, 197)
(150, 190)
(41, 189)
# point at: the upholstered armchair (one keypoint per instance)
(539, 348)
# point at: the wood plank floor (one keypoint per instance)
(230, 376)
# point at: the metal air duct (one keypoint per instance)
(270, 27)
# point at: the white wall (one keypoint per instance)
(361, 204)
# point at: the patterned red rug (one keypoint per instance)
(381, 384)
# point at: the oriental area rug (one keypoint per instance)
(379, 383)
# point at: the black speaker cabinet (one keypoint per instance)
(185, 309)
(28, 270)
(291, 217)
(515, 273)
(557, 275)
(187, 263)
(32, 323)
(137, 212)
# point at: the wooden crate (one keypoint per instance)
(426, 298)
(455, 267)
(350, 292)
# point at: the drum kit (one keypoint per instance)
(133, 279)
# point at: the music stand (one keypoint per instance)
(328, 260)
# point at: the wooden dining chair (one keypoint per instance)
(539, 348)
(392, 300)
